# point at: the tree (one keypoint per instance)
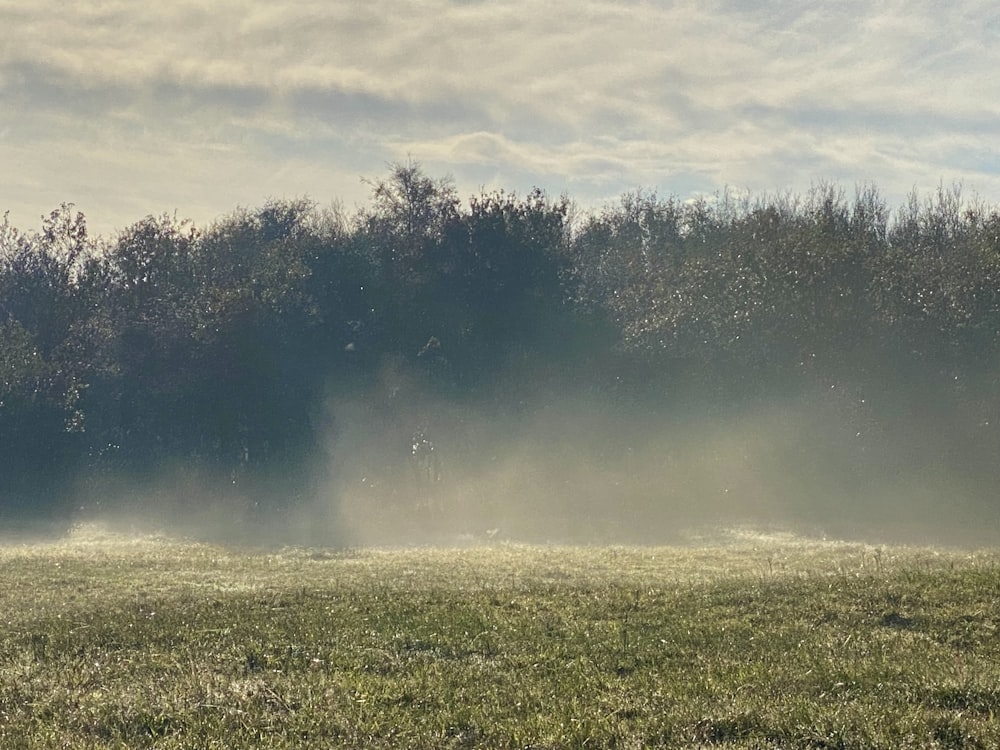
(44, 360)
(256, 349)
(403, 237)
(151, 299)
(514, 283)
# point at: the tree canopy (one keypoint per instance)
(215, 348)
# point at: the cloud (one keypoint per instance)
(186, 104)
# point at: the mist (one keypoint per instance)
(439, 371)
(572, 468)
(880, 460)
(577, 473)
(581, 467)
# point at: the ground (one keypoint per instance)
(734, 639)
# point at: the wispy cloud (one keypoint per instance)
(131, 108)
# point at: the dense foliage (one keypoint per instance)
(212, 351)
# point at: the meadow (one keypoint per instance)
(735, 639)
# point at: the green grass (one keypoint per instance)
(735, 642)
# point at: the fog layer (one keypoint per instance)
(439, 370)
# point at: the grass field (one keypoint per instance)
(737, 640)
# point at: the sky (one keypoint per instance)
(128, 108)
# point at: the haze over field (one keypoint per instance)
(745, 289)
(586, 470)
(131, 109)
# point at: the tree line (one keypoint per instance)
(214, 349)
